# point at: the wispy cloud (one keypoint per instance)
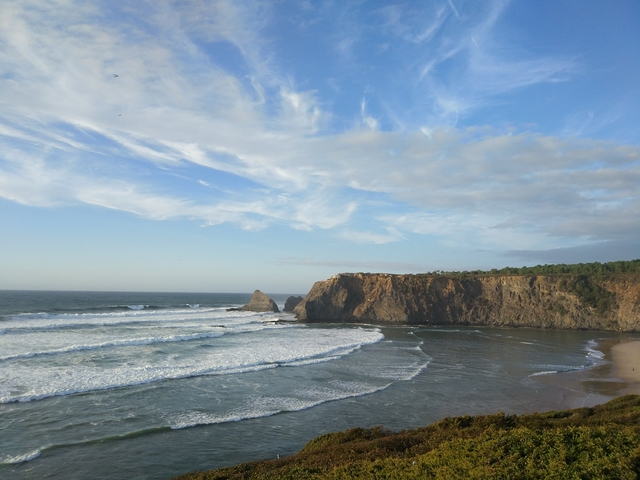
(72, 133)
(484, 66)
(367, 120)
(455, 10)
(391, 235)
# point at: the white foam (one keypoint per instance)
(385, 366)
(28, 343)
(594, 358)
(114, 343)
(21, 458)
(263, 349)
(46, 321)
(404, 372)
(547, 372)
(311, 361)
(592, 353)
(264, 406)
(549, 368)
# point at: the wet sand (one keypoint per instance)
(626, 364)
(619, 375)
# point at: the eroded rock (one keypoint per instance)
(291, 303)
(260, 303)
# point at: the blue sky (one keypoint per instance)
(271, 144)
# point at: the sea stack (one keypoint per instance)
(291, 303)
(260, 303)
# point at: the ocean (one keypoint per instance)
(151, 385)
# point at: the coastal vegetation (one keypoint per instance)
(593, 268)
(598, 442)
(589, 293)
(578, 281)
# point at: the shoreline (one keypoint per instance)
(469, 372)
(618, 375)
(625, 357)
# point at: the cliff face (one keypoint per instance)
(556, 301)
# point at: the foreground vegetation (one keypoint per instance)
(602, 442)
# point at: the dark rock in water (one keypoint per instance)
(260, 303)
(291, 303)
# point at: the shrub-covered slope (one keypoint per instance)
(602, 442)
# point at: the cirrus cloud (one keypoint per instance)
(254, 148)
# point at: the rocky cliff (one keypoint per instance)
(567, 301)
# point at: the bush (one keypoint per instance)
(589, 293)
(595, 268)
(602, 442)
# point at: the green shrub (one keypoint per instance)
(589, 293)
(595, 268)
(602, 442)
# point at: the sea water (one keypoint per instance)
(152, 385)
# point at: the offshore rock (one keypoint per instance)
(291, 303)
(260, 303)
(564, 301)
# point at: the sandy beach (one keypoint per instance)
(619, 375)
(626, 363)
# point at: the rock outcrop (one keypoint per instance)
(565, 301)
(291, 303)
(260, 303)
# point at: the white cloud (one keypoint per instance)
(485, 66)
(300, 111)
(367, 120)
(358, 236)
(412, 26)
(64, 142)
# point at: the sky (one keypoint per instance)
(234, 145)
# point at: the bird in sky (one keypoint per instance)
(116, 75)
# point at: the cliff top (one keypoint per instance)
(594, 268)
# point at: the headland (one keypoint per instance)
(604, 298)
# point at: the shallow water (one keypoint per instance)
(153, 385)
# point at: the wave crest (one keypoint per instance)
(27, 457)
